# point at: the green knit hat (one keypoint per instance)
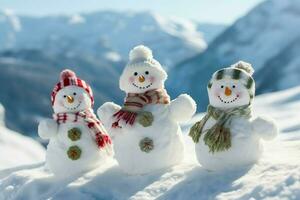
(241, 71)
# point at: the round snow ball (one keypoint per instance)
(247, 67)
(140, 52)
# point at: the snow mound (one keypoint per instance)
(16, 149)
(276, 176)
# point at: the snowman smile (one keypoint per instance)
(74, 107)
(230, 101)
(142, 87)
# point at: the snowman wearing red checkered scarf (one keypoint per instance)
(78, 141)
(145, 130)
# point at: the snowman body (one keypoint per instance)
(141, 76)
(234, 88)
(167, 139)
(77, 140)
(246, 147)
(57, 158)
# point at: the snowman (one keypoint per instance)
(229, 135)
(146, 131)
(78, 141)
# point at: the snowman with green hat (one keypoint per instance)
(78, 142)
(145, 130)
(229, 135)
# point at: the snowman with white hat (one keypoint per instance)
(78, 140)
(145, 130)
(229, 135)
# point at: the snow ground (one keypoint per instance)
(276, 176)
(16, 149)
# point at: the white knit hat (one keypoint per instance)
(142, 56)
(241, 71)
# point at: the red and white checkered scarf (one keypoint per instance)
(134, 102)
(88, 117)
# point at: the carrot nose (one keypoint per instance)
(70, 99)
(228, 91)
(141, 79)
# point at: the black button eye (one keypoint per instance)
(146, 72)
(233, 86)
(74, 93)
(65, 96)
(135, 73)
(222, 86)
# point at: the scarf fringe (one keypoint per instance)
(127, 116)
(104, 142)
(218, 137)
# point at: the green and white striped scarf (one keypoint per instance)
(218, 137)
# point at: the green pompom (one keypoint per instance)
(146, 145)
(145, 118)
(74, 134)
(74, 152)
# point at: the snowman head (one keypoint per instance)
(142, 73)
(71, 94)
(232, 87)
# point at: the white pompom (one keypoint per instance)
(140, 52)
(247, 67)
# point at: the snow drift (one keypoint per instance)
(16, 149)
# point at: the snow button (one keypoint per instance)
(145, 118)
(74, 152)
(146, 145)
(74, 134)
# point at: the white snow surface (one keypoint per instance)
(276, 176)
(15, 149)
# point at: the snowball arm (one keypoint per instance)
(265, 128)
(106, 111)
(47, 129)
(183, 108)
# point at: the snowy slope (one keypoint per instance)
(173, 39)
(262, 37)
(276, 176)
(15, 149)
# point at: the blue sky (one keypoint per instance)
(212, 11)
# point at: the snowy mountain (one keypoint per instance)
(15, 149)
(285, 67)
(172, 39)
(210, 31)
(264, 37)
(10, 26)
(276, 176)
